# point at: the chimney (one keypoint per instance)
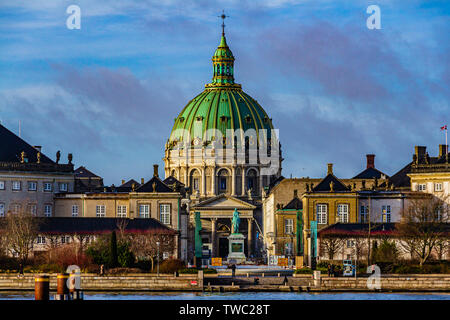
(295, 193)
(420, 152)
(142, 180)
(330, 169)
(442, 150)
(123, 181)
(38, 148)
(155, 170)
(370, 161)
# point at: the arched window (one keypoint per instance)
(223, 177)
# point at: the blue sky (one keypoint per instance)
(109, 93)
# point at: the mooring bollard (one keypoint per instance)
(42, 288)
(62, 290)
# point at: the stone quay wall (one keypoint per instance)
(92, 282)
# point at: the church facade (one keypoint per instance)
(224, 149)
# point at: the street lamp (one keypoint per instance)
(269, 235)
(157, 256)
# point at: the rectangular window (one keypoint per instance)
(63, 187)
(422, 187)
(144, 211)
(438, 186)
(15, 208)
(47, 186)
(364, 212)
(386, 213)
(74, 211)
(196, 187)
(342, 213)
(288, 226)
(40, 240)
(48, 210)
(2, 209)
(164, 213)
(16, 185)
(65, 239)
(223, 184)
(100, 211)
(122, 211)
(32, 209)
(321, 213)
(350, 243)
(32, 185)
(2, 185)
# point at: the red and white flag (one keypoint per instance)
(444, 127)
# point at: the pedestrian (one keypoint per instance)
(233, 270)
(285, 281)
(21, 270)
(329, 270)
(332, 270)
(102, 270)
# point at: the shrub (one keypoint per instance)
(114, 271)
(303, 271)
(144, 265)
(51, 268)
(323, 264)
(125, 256)
(195, 271)
(171, 266)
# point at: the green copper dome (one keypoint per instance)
(222, 105)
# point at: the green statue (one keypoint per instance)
(235, 221)
(198, 239)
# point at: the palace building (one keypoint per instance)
(223, 147)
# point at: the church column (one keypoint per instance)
(233, 181)
(213, 182)
(243, 182)
(213, 237)
(258, 192)
(249, 237)
(203, 192)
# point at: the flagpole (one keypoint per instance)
(446, 145)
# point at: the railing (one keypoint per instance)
(40, 167)
(424, 168)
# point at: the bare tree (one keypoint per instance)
(330, 245)
(19, 232)
(145, 245)
(360, 248)
(423, 226)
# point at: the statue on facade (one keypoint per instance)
(38, 156)
(70, 158)
(235, 221)
(23, 155)
(331, 186)
(58, 156)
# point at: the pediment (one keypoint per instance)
(224, 202)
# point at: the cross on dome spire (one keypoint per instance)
(223, 16)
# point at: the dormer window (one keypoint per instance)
(248, 119)
(223, 118)
(181, 119)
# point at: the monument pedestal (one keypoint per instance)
(236, 248)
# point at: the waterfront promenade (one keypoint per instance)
(241, 282)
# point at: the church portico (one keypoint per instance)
(216, 216)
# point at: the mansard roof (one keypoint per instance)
(294, 204)
(12, 147)
(82, 172)
(82, 225)
(401, 179)
(155, 184)
(370, 173)
(324, 185)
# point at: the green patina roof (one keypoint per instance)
(222, 105)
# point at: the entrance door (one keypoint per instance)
(223, 247)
